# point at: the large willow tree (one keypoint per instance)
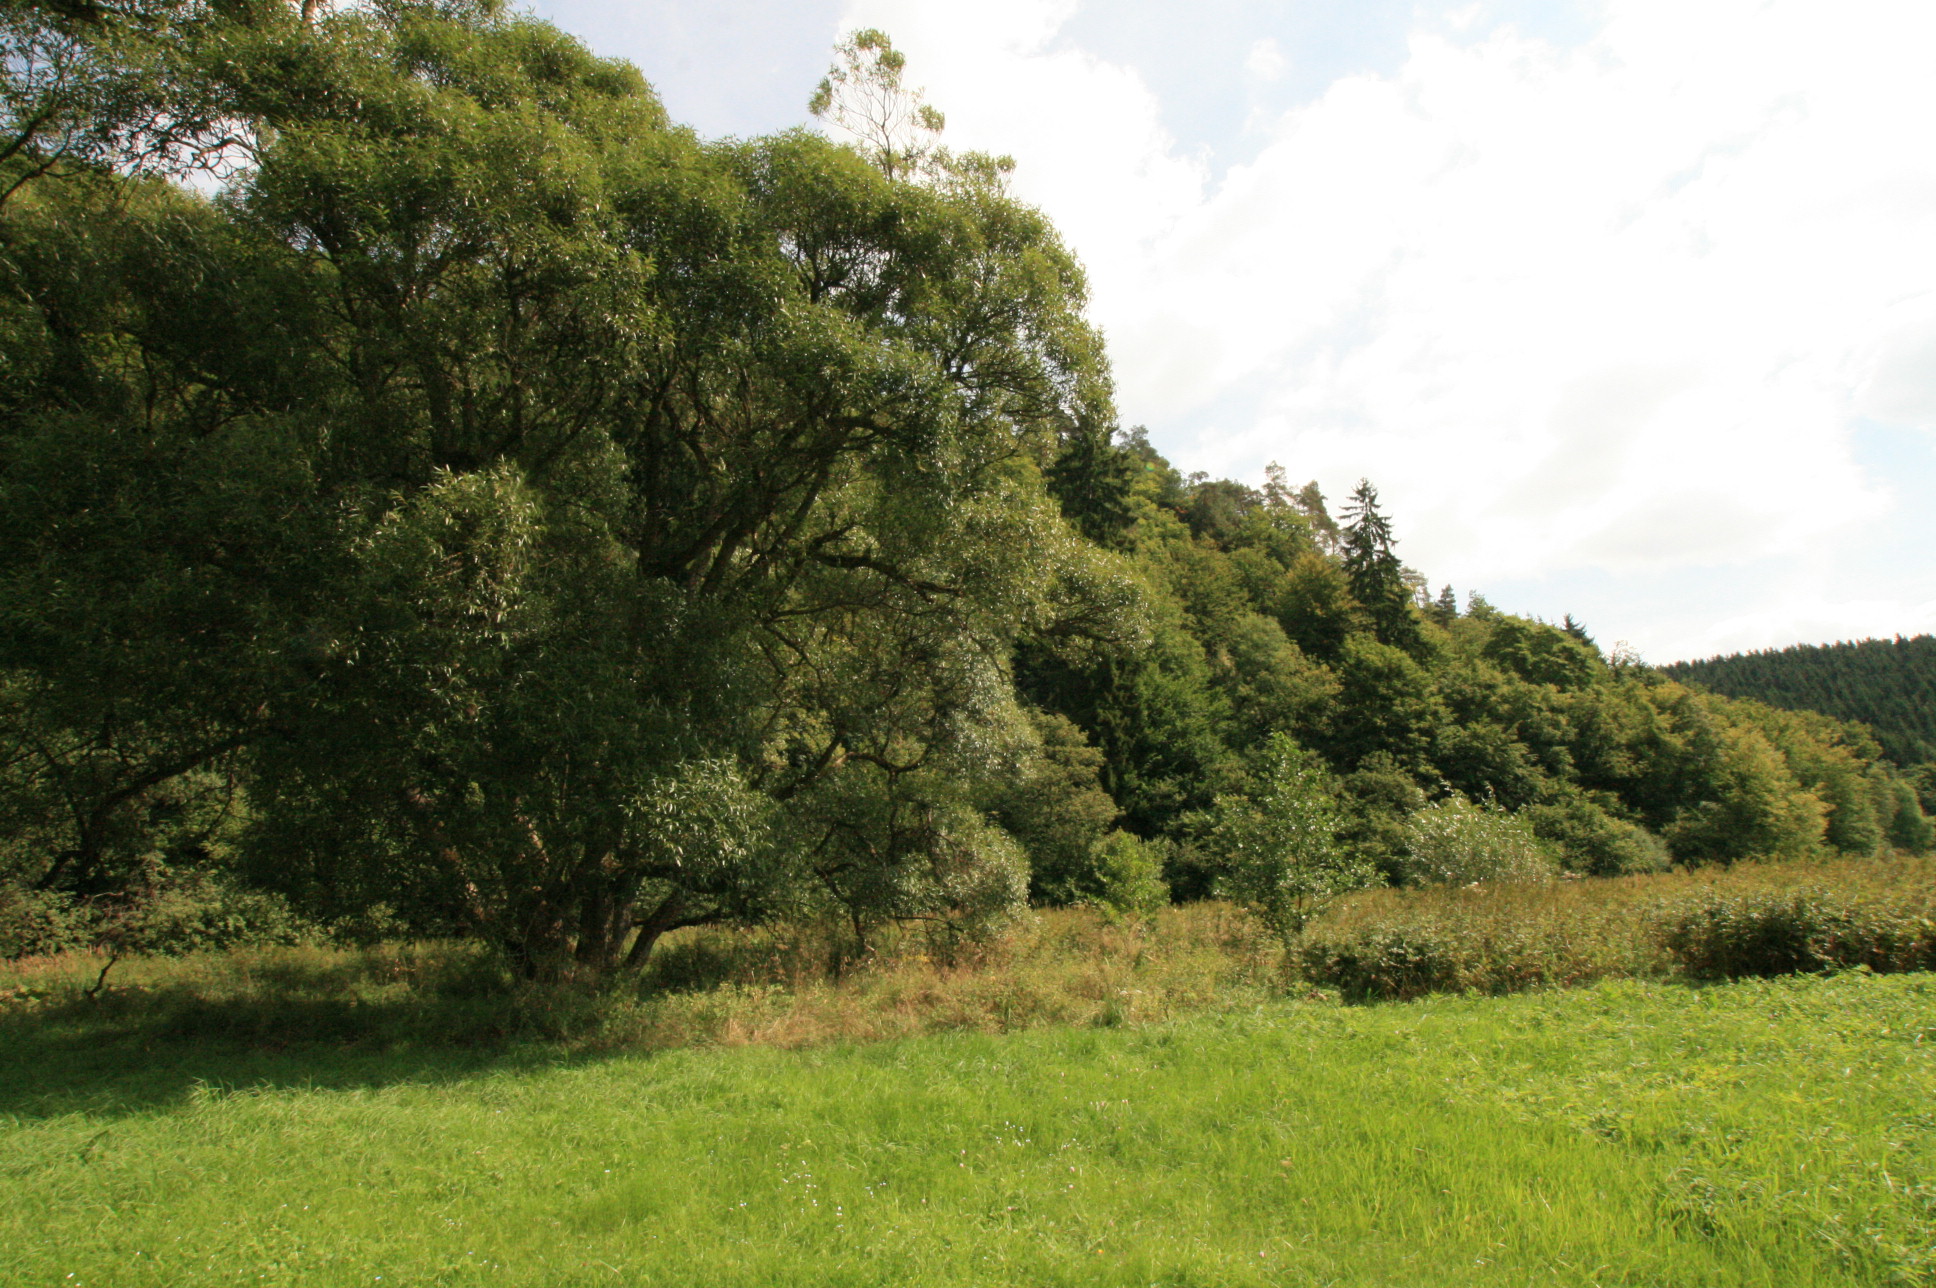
(561, 527)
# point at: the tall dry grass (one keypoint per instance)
(1714, 923)
(786, 987)
(800, 986)
(793, 987)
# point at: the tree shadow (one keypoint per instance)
(139, 1049)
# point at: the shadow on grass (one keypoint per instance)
(336, 1018)
(330, 1023)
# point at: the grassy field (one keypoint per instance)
(1777, 1133)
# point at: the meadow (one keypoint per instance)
(1089, 1101)
(1765, 1132)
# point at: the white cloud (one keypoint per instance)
(1610, 309)
(1265, 61)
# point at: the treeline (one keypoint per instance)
(1888, 685)
(1445, 740)
(497, 511)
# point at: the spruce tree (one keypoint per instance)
(1377, 577)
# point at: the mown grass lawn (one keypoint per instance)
(1779, 1133)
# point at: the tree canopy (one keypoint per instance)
(434, 483)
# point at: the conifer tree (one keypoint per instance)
(1377, 577)
(1092, 480)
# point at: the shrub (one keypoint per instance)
(38, 923)
(1129, 873)
(1751, 919)
(1909, 827)
(1054, 805)
(1727, 935)
(1748, 804)
(186, 912)
(1378, 797)
(1277, 849)
(198, 911)
(1588, 840)
(1499, 938)
(1386, 963)
(1457, 842)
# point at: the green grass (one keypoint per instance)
(1777, 1133)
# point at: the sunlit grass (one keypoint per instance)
(1775, 1133)
(1086, 1101)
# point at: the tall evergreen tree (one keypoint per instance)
(1377, 577)
(1093, 479)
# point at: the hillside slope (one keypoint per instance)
(1889, 685)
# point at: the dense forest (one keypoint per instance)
(441, 495)
(1888, 685)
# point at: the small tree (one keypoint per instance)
(1277, 847)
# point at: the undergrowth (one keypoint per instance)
(804, 986)
(789, 987)
(1714, 923)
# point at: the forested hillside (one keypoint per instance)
(1889, 685)
(497, 511)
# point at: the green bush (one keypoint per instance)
(199, 911)
(1501, 938)
(1784, 932)
(1276, 848)
(185, 913)
(1386, 963)
(37, 923)
(1909, 828)
(1458, 842)
(1590, 841)
(1751, 919)
(1129, 872)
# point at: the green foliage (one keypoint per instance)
(1590, 841)
(1923, 778)
(494, 453)
(1377, 578)
(1379, 797)
(1541, 654)
(1152, 710)
(1276, 848)
(1386, 705)
(1129, 874)
(1910, 829)
(1888, 685)
(1745, 920)
(1456, 841)
(862, 95)
(1093, 481)
(1479, 947)
(1781, 932)
(35, 923)
(1313, 603)
(1747, 802)
(186, 912)
(501, 513)
(1056, 808)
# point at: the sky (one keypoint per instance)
(1627, 307)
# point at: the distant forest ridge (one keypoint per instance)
(1889, 685)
